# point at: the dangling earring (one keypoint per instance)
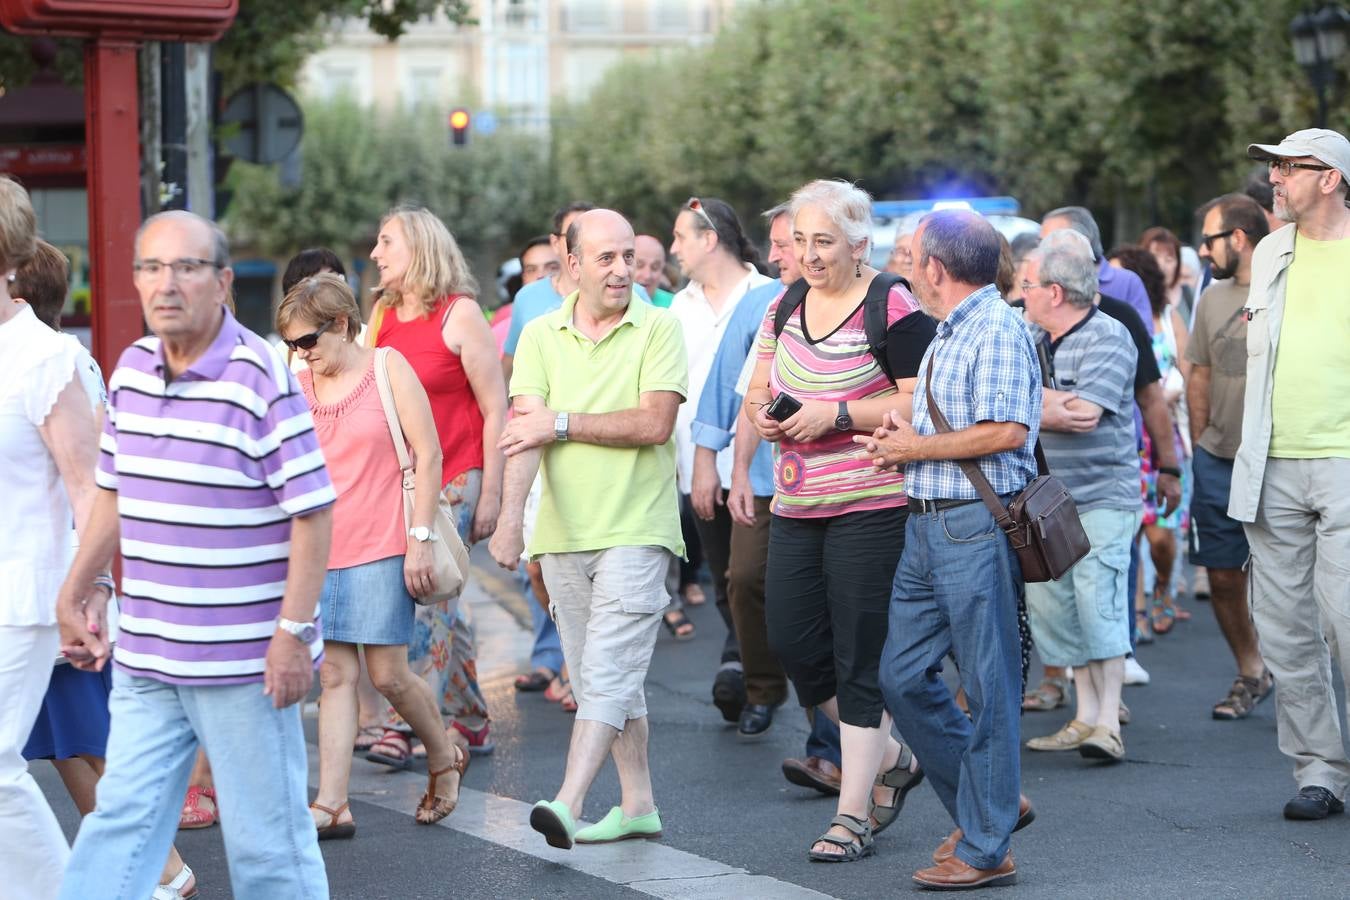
(857, 268)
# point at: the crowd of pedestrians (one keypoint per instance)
(828, 438)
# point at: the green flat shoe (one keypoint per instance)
(617, 827)
(554, 821)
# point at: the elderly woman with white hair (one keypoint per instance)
(838, 523)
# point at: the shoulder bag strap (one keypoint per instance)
(875, 326)
(390, 410)
(376, 320)
(969, 466)
(792, 299)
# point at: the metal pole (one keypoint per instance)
(173, 133)
(110, 110)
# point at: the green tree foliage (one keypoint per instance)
(493, 193)
(267, 42)
(1141, 111)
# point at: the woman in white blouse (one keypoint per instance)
(48, 449)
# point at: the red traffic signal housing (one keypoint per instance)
(159, 20)
(459, 125)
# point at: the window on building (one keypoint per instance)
(521, 14)
(424, 86)
(586, 66)
(339, 81)
(672, 15)
(590, 15)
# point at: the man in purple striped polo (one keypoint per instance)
(211, 474)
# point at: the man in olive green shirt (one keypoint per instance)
(595, 389)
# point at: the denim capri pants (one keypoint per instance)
(368, 604)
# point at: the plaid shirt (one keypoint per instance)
(985, 371)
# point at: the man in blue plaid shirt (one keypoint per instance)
(958, 582)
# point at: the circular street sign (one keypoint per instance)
(269, 122)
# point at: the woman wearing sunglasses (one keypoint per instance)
(426, 311)
(374, 569)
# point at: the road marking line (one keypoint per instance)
(648, 867)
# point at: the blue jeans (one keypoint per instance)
(259, 763)
(956, 591)
(547, 652)
(823, 741)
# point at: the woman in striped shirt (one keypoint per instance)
(838, 524)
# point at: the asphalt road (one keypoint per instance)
(1194, 812)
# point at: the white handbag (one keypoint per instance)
(450, 566)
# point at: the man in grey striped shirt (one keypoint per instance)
(1083, 619)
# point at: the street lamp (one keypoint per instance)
(1319, 39)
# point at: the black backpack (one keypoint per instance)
(874, 313)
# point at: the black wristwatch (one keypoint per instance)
(1169, 470)
(843, 421)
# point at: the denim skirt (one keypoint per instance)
(368, 604)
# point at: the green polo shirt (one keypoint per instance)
(599, 497)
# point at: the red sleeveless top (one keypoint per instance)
(459, 421)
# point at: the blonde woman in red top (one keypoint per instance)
(426, 310)
(374, 567)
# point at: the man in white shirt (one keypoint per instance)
(720, 262)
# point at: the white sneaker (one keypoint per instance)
(1135, 673)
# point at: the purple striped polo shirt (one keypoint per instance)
(209, 469)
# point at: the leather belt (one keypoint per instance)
(920, 505)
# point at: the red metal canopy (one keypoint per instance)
(114, 30)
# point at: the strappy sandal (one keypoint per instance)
(334, 830)
(393, 750)
(1052, 693)
(854, 848)
(367, 737)
(678, 624)
(567, 700)
(193, 814)
(1243, 696)
(432, 808)
(1161, 612)
(903, 781)
(534, 682)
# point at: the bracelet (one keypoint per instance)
(105, 581)
(1169, 470)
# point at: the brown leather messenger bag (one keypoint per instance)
(1042, 521)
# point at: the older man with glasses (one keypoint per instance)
(1293, 462)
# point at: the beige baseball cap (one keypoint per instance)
(1328, 147)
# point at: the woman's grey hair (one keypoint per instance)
(1082, 222)
(847, 206)
(1065, 257)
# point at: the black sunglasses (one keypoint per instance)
(1208, 239)
(307, 341)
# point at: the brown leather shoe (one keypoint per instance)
(955, 875)
(1026, 814)
(813, 772)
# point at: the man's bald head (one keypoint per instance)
(596, 219)
(651, 263)
(191, 222)
(600, 257)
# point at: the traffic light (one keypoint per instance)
(459, 126)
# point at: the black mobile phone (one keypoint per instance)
(783, 407)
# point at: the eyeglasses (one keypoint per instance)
(1027, 285)
(696, 205)
(1207, 239)
(1286, 168)
(182, 269)
(307, 341)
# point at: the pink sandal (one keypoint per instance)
(194, 815)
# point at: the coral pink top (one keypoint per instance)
(362, 462)
(459, 421)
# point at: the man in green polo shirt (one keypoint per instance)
(595, 389)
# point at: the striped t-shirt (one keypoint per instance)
(209, 469)
(828, 476)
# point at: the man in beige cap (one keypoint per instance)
(1293, 465)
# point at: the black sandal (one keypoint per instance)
(679, 620)
(855, 848)
(903, 781)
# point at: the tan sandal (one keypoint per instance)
(1052, 693)
(432, 808)
(1067, 738)
(334, 829)
(1102, 743)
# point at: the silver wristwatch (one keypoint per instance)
(560, 427)
(304, 632)
(422, 534)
